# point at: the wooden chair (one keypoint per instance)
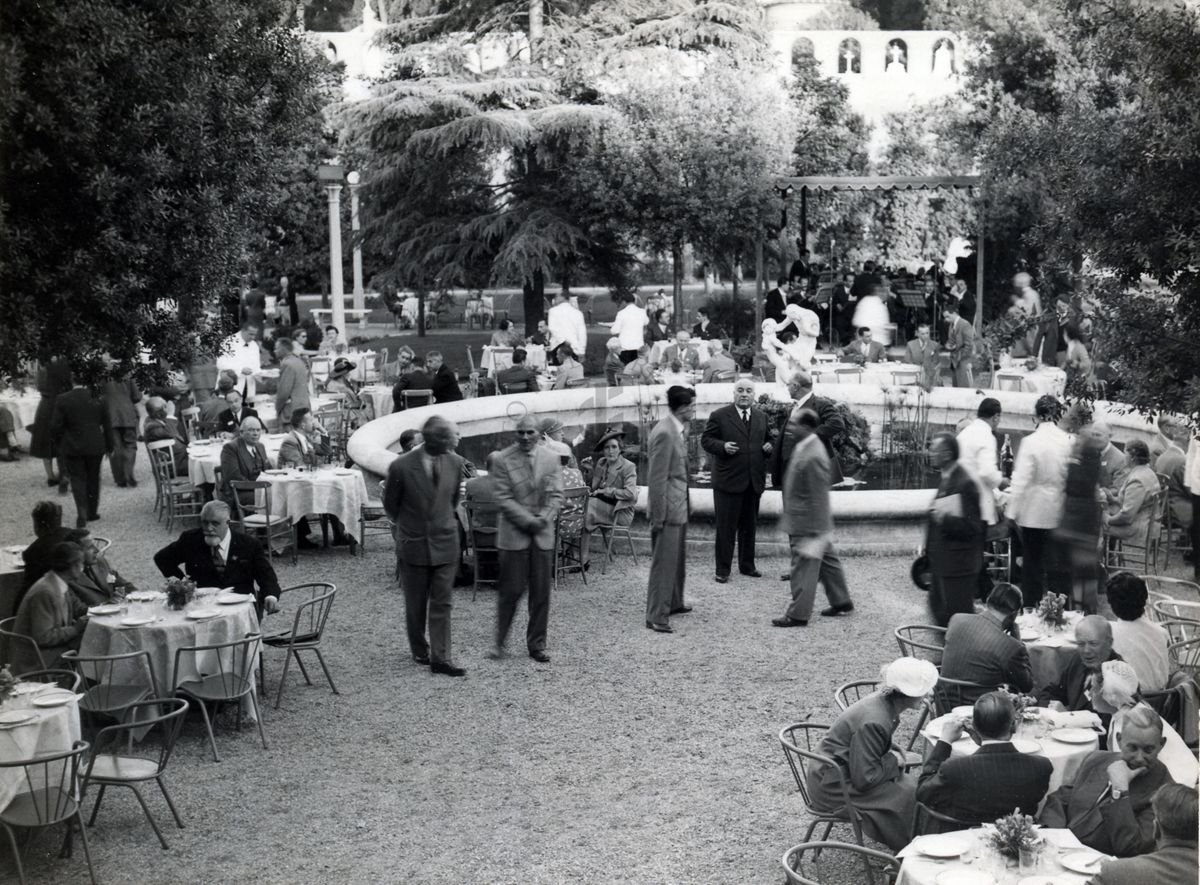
(413, 398)
(256, 519)
(848, 375)
(799, 742)
(11, 638)
(609, 533)
(308, 626)
(176, 496)
(878, 866)
(190, 418)
(482, 519)
(373, 519)
(922, 641)
(230, 678)
(568, 546)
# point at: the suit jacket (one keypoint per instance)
(520, 374)
(960, 341)
(1171, 861)
(247, 566)
(984, 786)
(292, 392)
(1069, 690)
(711, 333)
(159, 429)
(79, 424)
(445, 385)
(689, 359)
(978, 650)
(773, 308)
(667, 477)
(227, 422)
(955, 544)
(806, 507)
(874, 352)
(1124, 827)
(239, 464)
(290, 451)
(119, 399)
(51, 619)
(37, 557)
(655, 332)
(828, 430)
(747, 470)
(100, 583)
(921, 354)
(424, 515)
(1133, 517)
(1040, 477)
(717, 365)
(526, 493)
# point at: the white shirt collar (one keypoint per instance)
(224, 545)
(679, 428)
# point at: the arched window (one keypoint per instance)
(945, 60)
(897, 57)
(802, 47)
(849, 57)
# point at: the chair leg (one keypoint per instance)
(170, 804)
(149, 817)
(321, 658)
(87, 849)
(12, 840)
(300, 664)
(258, 719)
(287, 662)
(208, 727)
(96, 807)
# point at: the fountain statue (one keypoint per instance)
(796, 353)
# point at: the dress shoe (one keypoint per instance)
(786, 621)
(753, 573)
(682, 610)
(834, 610)
(64, 488)
(540, 656)
(122, 485)
(52, 482)
(498, 653)
(447, 669)
(133, 483)
(721, 579)
(93, 517)
(423, 660)
(786, 576)
(8, 456)
(659, 628)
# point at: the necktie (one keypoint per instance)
(218, 562)
(437, 473)
(746, 417)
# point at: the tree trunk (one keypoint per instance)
(533, 292)
(759, 292)
(677, 280)
(733, 325)
(535, 28)
(421, 313)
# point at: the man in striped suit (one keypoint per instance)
(984, 648)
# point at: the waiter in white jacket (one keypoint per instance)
(567, 326)
(977, 454)
(241, 355)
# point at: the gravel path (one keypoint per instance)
(631, 757)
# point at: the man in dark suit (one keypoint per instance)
(445, 382)
(79, 428)
(243, 458)
(292, 390)
(984, 648)
(776, 302)
(990, 782)
(230, 419)
(829, 428)
(954, 534)
(213, 406)
(1174, 856)
(669, 508)
(736, 438)
(518, 377)
(420, 497)
(215, 555)
(1073, 690)
(159, 427)
(808, 518)
(120, 398)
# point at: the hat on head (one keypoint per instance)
(341, 366)
(551, 425)
(612, 434)
(1119, 679)
(910, 676)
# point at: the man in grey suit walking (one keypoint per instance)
(529, 490)
(808, 518)
(420, 497)
(292, 391)
(668, 493)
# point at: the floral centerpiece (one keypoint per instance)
(8, 683)
(180, 591)
(1022, 703)
(1053, 609)
(1015, 833)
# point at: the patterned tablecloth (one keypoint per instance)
(1043, 379)
(883, 374)
(338, 492)
(23, 406)
(205, 458)
(51, 730)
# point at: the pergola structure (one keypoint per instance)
(789, 184)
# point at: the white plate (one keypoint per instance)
(136, 622)
(965, 710)
(1043, 879)
(944, 846)
(965, 877)
(1025, 745)
(1029, 634)
(233, 598)
(54, 699)
(15, 717)
(1086, 862)
(104, 610)
(1073, 735)
(343, 472)
(202, 614)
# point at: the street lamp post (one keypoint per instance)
(356, 261)
(331, 174)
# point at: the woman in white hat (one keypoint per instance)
(861, 743)
(339, 381)
(1119, 688)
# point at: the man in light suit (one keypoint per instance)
(923, 351)
(808, 518)
(1174, 856)
(954, 534)
(682, 352)
(667, 479)
(736, 439)
(863, 349)
(50, 614)
(420, 497)
(529, 489)
(960, 341)
(292, 392)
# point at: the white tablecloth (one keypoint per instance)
(701, 345)
(264, 404)
(917, 869)
(535, 358)
(380, 397)
(339, 493)
(1044, 379)
(22, 405)
(1050, 649)
(873, 373)
(203, 460)
(1063, 756)
(53, 730)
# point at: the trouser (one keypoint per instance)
(122, 453)
(963, 376)
(628, 356)
(83, 472)
(428, 591)
(667, 573)
(520, 570)
(1042, 566)
(737, 520)
(952, 595)
(807, 572)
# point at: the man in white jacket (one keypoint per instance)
(978, 453)
(567, 326)
(629, 327)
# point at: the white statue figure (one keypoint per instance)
(370, 20)
(943, 59)
(796, 354)
(896, 62)
(848, 58)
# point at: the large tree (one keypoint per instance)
(144, 152)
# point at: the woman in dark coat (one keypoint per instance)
(53, 378)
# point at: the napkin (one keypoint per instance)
(1063, 840)
(1071, 718)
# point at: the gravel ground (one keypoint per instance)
(632, 757)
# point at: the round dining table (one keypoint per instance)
(339, 492)
(44, 731)
(204, 456)
(380, 398)
(925, 860)
(1044, 379)
(1050, 648)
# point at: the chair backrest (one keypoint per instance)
(845, 375)
(501, 358)
(1185, 656)
(162, 459)
(57, 783)
(102, 544)
(927, 820)
(1177, 610)
(141, 720)
(1171, 588)
(64, 679)
(577, 382)
(517, 387)
(951, 693)
(110, 676)
(10, 638)
(923, 641)
(229, 666)
(416, 397)
(905, 376)
(482, 519)
(314, 601)
(257, 504)
(800, 742)
(853, 692)
(1181, 631)
(804, 863)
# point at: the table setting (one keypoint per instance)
(1049, 634)
(336, 491)
(1031, 376)
(36, 719)
(872, 373)
(535, 358)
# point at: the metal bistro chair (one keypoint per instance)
(113, 683)
(1123, 554)
(1177, 610)
(852, 692)
(308, 626)
(256, 519)
(927, 821)
(102, 544)
(373, 519)
(414, 398)
(177, 497)
(878, 866)
(232, 681)
(109, 768)
(568, 546)
(11, 638)
(951, 693)
(53, 785)
(482, 519)
(67, 680)
(1185, 656)
(1181, 631)
(922, 641)
(799, 743)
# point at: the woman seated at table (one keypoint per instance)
(613, 488)
(505, 336)
(569, 368)
(50, 614)
(1120, 690)
(99, 582)
(1131, 509)
(860, 742)
(640, 370)
(340, 382)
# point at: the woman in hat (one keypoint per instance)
(339, 381)
(614, 487)
(860, 741)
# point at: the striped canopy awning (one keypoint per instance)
(879, 182)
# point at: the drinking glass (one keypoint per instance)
(1027, 862)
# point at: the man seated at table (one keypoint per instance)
(682, 352)
(863, 350)
(517, 378)
(416, 378)
(236, 410)
(1074, 689)
(215, 555)
(1107, 806)
(445, 380)
(50, 614)
(640, 370)
(305, 446)
(1138, 640)
(211, 408)
(1131, 509)
(48, 533)
(1174, 856)
(984, 648)
(243, 459)
(569, 368)
(159, 427)
(719, 363)
(990, 782)
(705, 328)
(98, 582)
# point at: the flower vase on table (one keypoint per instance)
(180, 591)
(8, 684)
(1016, 837)
(1053, 611)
